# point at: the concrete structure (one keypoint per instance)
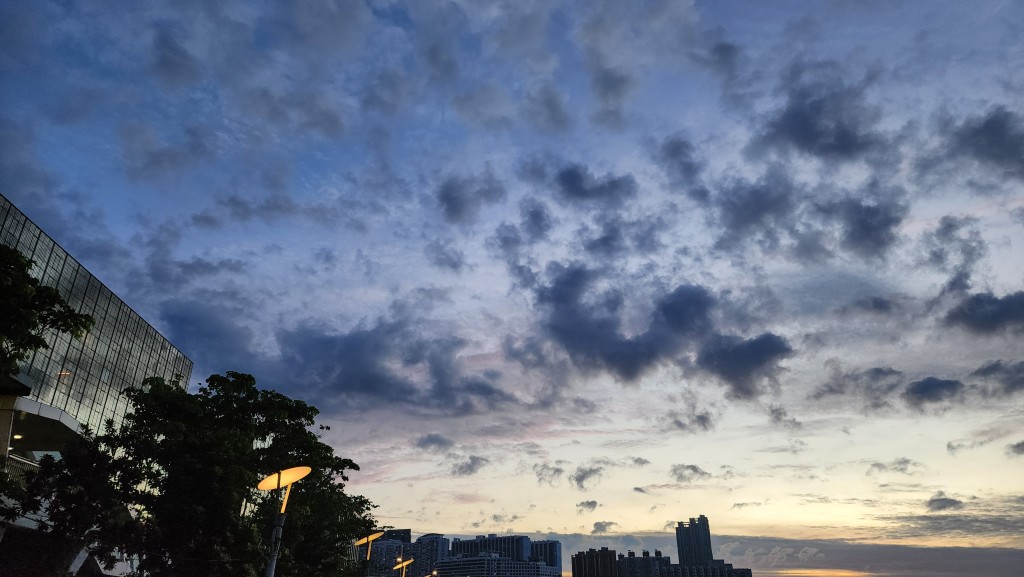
(595, 563)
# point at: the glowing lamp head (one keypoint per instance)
(283, 478)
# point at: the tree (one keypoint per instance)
(29, 310)
(188, 465)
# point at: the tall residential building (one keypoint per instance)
(75, 382)
(595, 563)
(548, 552)
(515, 547)
(693, 542)
(629, 565)
(426, 552)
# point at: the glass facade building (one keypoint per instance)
(83, 378)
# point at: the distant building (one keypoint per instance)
(595, 563)
(696, 558)
(548, 552)
(629, 565)
(693, 542)
(516, 547)
(491, 565)
(426, 552)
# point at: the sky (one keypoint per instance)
(576, 269)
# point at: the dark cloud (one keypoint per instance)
(872, 387)
(1015, 449)
(584, 476)
(172, 62)
(601, 527)
(575, 183)
(745, 505)
(639, 462)
(387, 92)
(985, 313)
(761, 210)
(545, 109)
(825, 115)
(443, 254)
(212, 326)
(434, 442)
(931, 391)
(744, 364)
(995, 140)
(470, 466)
(1009, 377)
(955, 247)
(780, 417)
(687, 310)
(677, 157)
(870, 227)
(586, 507)
(536, 219)
(549, 474)
(940, 502)
(688, 473)
(901, 465)
(461, 198)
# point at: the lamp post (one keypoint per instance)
(402, 565)
(275, 482)
(368, 541)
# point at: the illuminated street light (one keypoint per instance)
(368, 541)
(402, 565)
(275, 482)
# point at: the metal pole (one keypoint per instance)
(275, 544)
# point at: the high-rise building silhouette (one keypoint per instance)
(515, 547)
(693, 542)
(548, 552)
(595, 563)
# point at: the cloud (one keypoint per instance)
(985, 313)
(172, 62)
(545, 108)
(901, 465)
(994, 140)
(1009, 377)
(575, 183)
(869, 227)
(940, 502)
(586, 507)
(148, 156)
(690, 420)
(548, 474)
(639, 462)
(759, 210)
(872, 387)
(931, 391)
(688, 473)
(443, 254)
(601, 527)
(461, 198)
(825, 115)
(778, 416)
(743, 364)
(434, 442)
(955, 247)
(1015, 449)
(677, 158)
(470, 466)
(745, 505)
(585, 476)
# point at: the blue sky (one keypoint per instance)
(575, 268)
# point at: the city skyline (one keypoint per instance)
(576, 270)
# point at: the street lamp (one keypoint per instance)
(274, 482)
(402, 565)
(368, 541)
